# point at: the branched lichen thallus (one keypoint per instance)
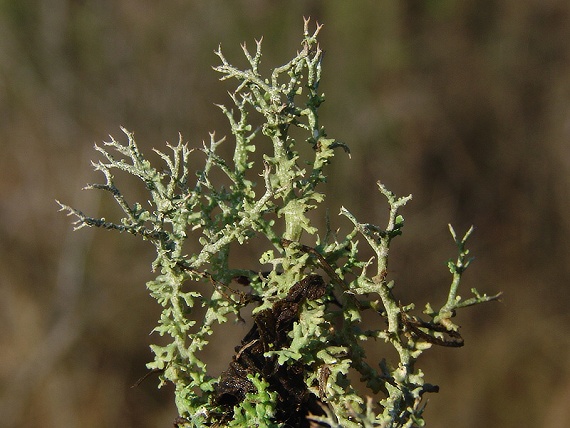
(292, 367)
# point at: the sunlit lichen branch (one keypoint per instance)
(307, 331)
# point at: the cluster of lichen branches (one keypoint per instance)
(328, 335)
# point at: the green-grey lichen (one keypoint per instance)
(325, 340)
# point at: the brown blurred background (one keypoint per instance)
(464, 104)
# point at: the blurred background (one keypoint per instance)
(466, 105)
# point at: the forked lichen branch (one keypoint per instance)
(308, 298)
